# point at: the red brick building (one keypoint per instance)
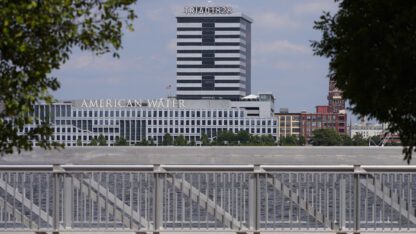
(312, 121)
(331, 116)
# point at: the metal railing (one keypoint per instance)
(207, 198)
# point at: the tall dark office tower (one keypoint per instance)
(213, 54)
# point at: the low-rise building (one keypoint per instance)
(80, 121)
(367, 129)
(289, 123)
(322, 119)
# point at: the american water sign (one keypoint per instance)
(131, 103)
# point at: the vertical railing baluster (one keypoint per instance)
(254, 199)
(366, 202)
(357, 198)
(57, 173)
(409, 199)
(158, 198)
(107, 210)
(14, 201)
(68, 192)
(131, 200)
(342, 202)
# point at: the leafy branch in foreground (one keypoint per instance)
(38, 37)
(371, 45)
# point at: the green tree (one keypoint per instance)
(292, 140)
(38, 37)
(288, 141)
(167, 139)
(121, 141)
(301, 140)
(79, 142)
(359, 140)
(143, 142)
(326, 137)
(93, 142)
(180, 140)
(101, 140)
(227, 137)
(243, 137)
(346, 140)
(267, 140)
(204, 139)
(255, 140)
(192, 142)
(372, 50)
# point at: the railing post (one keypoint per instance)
(357, 197)
(67, 202)
(342, 203)
(158, 198)
(56, 175)
(254, 199)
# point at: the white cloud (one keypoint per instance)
(275, 21)
(281, 46)
(314, 7)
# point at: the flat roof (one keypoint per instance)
(215, 155)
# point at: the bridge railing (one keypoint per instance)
(216, 198)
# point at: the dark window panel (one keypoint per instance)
(208, 65)
(189, 81)
(203, 73)
(189, 29)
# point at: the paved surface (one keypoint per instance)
(212, 156)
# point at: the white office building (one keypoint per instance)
(213, 54)
(135, 120)
(367, 129)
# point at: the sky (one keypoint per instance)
(282, 59)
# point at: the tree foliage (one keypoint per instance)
(180, 141)
(93, 142)
(243, 138)
(38, 37)
(101, 140)
(121, 141)
(167, 139)
(372, 50)
(143, 142)
(79, 142)
(325, 137)
(330, 137)
(359, 140)
(292, 140)
(204, 139)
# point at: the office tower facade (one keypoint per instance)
(213, 54)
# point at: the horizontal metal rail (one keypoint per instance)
(215, 198)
